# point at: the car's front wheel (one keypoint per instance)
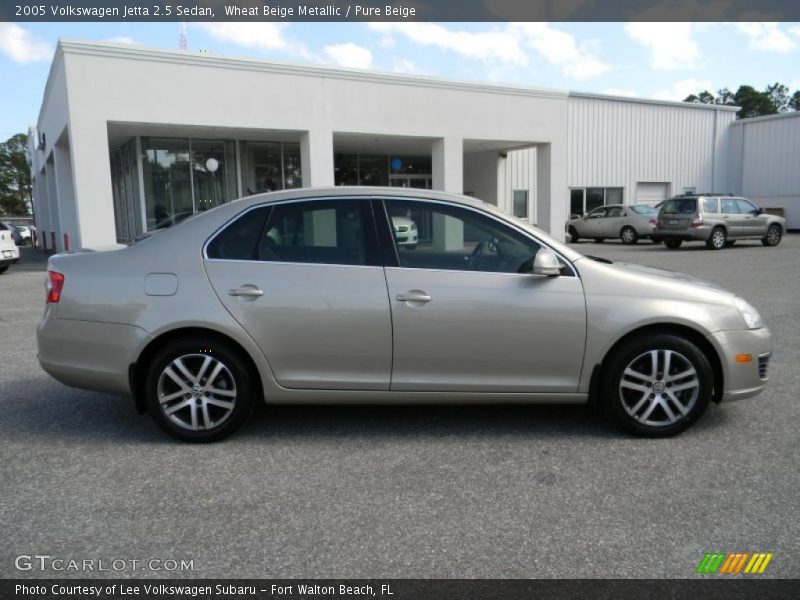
(658, 385)
(573, 235)
(628, 235)
(773, 237)
(198, 389)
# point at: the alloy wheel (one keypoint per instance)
(659, 387)
(197, 392)
(773, 235)
(718, 239)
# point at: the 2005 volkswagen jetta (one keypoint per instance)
(306, 296)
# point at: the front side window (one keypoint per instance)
(317, 231)
(459, 239)
(746, 207)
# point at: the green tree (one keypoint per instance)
(15, 176)
(775, 98)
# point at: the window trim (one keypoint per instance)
(511, 225)
(374, 257)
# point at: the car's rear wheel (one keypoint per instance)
(718, 239)
(658, 385)
(573, 235)
(628, 235)
(673, 244)
(198, 390)
(773, 237)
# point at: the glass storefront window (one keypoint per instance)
(270, 166)
(166, 169)
(213, 172)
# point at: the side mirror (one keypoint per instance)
(759, 211)
(546, 263)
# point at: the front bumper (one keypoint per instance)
(743, 379)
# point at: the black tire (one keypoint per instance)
(235, 377)
(628, 235)
(573, 235)
(673, 244)
(599, 240)
(718, 239)
(652, 419)
(774, 235)
(3, 269)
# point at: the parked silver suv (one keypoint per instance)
(716, 220)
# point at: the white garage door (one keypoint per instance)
(651, 192)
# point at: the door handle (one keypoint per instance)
(414, 296)
(247, 292)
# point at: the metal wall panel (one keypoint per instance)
(766, 155)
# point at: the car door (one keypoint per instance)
(753, 224)
(305, 280)
(468, 316)
(592, 221)
(735, 222)
(611, 223)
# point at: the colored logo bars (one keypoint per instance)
(722, 563)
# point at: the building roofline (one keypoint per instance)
(75, 46)
(636, 100)
(784, 115)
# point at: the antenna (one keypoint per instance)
(182, 35)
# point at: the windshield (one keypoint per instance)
(644, 209)
(679, 206)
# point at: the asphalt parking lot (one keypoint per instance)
(439, 492)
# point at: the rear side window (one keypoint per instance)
(729, 206)
(679, 206)
(710, 205)
(239, 240)
(319, 231)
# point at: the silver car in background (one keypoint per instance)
(307, 296)
(628, 223)
(719, 221)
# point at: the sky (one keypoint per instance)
(650, 60)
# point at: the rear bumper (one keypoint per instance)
(689, 234)
(89, 355)
(743, 379)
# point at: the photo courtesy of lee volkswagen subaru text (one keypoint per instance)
(308, 296)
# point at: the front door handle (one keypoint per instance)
(414, 296)
(246, 291)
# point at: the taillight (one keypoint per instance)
(55, 281)
(653, 221)
(697, 221)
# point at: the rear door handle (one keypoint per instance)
(414, 296)
(246, 291)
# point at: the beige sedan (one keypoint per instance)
(309, 296)
(628, 223)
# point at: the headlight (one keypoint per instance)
(749, 314)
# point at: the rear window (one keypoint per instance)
(644, 210)
(679, 206)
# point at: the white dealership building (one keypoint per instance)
(130, 139)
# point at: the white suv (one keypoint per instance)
(9, 253)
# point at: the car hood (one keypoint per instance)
(666, 274)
